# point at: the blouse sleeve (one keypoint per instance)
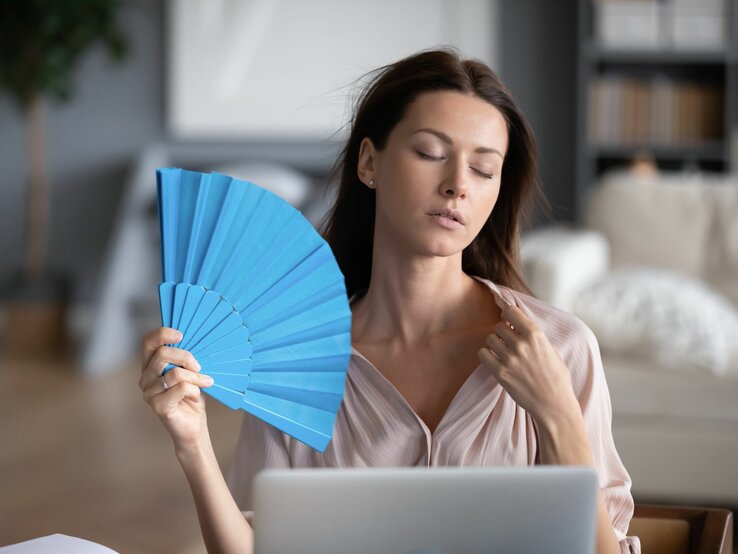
(260, 446)
(590, 386)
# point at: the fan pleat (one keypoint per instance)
(290, 411)
(292, 307)
(297, 274)
(196, 230)
(231, 398)
(276, 337)
(214, 193)
(212, 321)
(169, 188)
(330, 382)
(259, 299)
(258, 277)
(193, 299)
(269, 273)
(325, 381)
(244, 349)
(303, 276)
(226, 225)
(278, 360)
(166, 296)
(198, 326)
(233, 381)
(295, 315)
(224, 271)
(254, 247)
(315, 399)
(187, 204)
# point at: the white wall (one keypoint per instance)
(284, 68)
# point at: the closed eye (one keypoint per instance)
(485, 175)
(428, 157)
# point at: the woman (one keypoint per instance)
(453, 363)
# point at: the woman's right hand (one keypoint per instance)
(178, 402)
(175, 396)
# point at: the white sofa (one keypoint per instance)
(675, 429)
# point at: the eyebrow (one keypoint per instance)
(447, 139)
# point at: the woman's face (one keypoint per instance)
(445, 154)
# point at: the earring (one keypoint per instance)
(371, 182)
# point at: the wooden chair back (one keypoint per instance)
(682, 529)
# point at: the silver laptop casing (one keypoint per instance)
(506, 510)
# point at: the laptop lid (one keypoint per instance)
(448, 510)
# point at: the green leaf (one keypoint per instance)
(42, 41)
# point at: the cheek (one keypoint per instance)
(486, 205)
(403, 185)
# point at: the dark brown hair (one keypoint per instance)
(349, 226)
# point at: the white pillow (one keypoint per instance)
(669, 317)
(662, 220)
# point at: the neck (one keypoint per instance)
(411, 300)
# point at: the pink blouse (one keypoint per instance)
(482, 426)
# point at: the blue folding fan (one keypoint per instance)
(259, 299)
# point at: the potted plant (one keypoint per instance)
(41, 42)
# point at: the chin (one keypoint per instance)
(442, 248)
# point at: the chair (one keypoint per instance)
(682, 529)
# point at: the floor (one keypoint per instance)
(86, 457)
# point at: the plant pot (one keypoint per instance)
(35, 315)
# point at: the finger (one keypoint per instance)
(508, 336)
(490, 359)
(166, 355)
(496, 366)
(182, 375)
(498, 348)
(164, 404)
(176, 356)
(173, 378)
(520, 322)
(156, 338)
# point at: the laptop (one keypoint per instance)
(450, 510)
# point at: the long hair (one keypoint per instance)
(348, 227)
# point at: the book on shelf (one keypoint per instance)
(658, 111)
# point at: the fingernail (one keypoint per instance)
(178, 335)
(208, 380)
(198, 367)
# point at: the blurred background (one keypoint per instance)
(634, 104)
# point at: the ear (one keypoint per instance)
(367, 161)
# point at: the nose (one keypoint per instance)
(454, 181)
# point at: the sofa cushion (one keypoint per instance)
(726, 283)
(653, 220)
(722, 240)
(559, 261)
(640, 387)
(664, 316)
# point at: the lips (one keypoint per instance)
(449, 213)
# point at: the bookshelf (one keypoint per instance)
(646, 86)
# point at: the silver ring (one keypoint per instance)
(163, 383)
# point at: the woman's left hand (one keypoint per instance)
(528, 367)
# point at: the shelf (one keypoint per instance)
(651, 92)
(597, 54)
(706, 151)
